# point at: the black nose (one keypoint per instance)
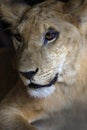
(29, 75)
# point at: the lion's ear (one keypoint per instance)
(73, 5)
(12, 10)
(78, 9)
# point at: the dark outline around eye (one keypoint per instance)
(18, 37)
(56, 35)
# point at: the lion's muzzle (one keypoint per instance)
(29, 75)
(34, 85)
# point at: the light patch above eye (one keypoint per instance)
(50, 36)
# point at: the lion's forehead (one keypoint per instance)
(41, 12)
(38, 22)
(37, 17)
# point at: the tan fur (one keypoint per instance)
(67, 57)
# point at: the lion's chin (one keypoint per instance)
(41, 92)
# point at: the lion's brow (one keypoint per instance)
(24, 16)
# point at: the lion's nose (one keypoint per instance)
(29, 75)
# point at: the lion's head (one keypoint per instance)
(47, 40)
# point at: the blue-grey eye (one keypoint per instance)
(51, 35)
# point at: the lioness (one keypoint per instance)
(50, 40)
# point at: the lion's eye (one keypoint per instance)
(17, 40)
(18, 37)
(50, 36)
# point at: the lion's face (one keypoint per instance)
(50, 49)
(47, 45)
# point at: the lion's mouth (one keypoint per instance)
(36, 86)
(32, 84)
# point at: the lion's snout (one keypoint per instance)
(29, 75)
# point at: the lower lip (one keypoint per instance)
(36, 86)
